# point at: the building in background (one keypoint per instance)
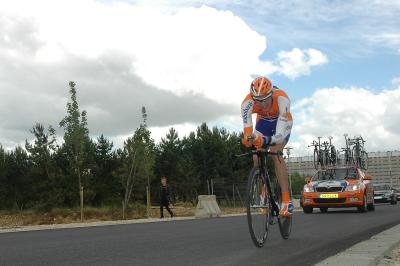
(384, 167)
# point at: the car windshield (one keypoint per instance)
(336, 174)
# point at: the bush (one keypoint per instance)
(138, 210)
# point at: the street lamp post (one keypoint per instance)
(390, 166)
(290, 179)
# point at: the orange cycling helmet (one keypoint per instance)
(261, 89)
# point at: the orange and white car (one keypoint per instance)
(338, 187)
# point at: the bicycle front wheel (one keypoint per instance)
(258, 207)
(285, 226)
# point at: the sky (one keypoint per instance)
(190, 62)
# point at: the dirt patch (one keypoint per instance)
(391, 259)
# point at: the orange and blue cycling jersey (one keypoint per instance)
(276, 122)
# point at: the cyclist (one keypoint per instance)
(273, 126)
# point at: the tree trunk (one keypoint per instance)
(129, 183)
(81, 198)
(123, 210)
(80, 192)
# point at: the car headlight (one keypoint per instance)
(308, 189)
(353, 187)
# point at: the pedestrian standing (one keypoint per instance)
(164, 197)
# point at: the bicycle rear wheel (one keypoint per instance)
(285, 223)
(258, 208)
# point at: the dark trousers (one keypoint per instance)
(162, 205)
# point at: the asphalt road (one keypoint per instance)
(221, 241)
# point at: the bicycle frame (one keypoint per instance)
(262, 160)
(257, 203)
(262, 155)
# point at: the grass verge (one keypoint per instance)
(9, 219)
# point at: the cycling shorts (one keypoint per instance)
(267, 127)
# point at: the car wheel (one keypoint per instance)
(323, 209)
(363, 207)
(307, 209)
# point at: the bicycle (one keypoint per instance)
(360, 156)
(325, 153)
(263, 200)
(348, 154)
(317, 155)
(333, 154)
(364, 160)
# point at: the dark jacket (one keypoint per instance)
(164, 194)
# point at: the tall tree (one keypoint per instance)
(138, 162)
(144, 116)
(77, 143)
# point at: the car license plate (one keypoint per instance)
(329, 196)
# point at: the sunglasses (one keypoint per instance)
(261, 100)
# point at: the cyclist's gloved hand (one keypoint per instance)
(261, 141)
(247, 142)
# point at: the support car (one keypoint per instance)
(338, 187)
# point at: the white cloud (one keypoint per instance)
(298, 62)
(345, 24)
(355, 111)
(157, 133)
(396, 82)
(201, 50)
(182, 129)
(388, 39)
(184, 64)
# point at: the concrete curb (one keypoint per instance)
(106, 223)
(368, 252)
(89, 224)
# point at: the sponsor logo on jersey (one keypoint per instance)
(246, 111)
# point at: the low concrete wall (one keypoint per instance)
(296, 203)
(207, 207)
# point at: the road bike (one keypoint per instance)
(333, 153)
(360, 156)
(348, 154)
(318, 157)
(325, 153)
(263, 200)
